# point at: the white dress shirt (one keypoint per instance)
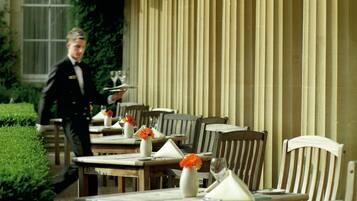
(79, 74)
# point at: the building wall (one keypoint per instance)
(285, 66)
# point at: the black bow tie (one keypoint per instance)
(77, 63)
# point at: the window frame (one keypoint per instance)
(28, 77)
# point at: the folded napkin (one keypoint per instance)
(231, 188)
(169, 150)
(158, 134)
(99, 115)
(116, 125)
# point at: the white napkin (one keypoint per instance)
(231, 188)
(169, 150)
(116, 125)
(158, 134)
(99, 115)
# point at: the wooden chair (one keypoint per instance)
(207, 133)
(244, 152)
(120, 108)
(311, 165)
(181, 124)
(351, 186)
(203, 143)
(135, 111)
(150, 117)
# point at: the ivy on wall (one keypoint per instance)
(103, 22)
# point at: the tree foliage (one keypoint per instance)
(8, 54)
(103, 22)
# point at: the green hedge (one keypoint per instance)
(17, 114)
(24, 170)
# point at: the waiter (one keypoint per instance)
(70, 85)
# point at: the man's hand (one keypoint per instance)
(118, 95)
(43, 128)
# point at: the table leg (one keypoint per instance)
(67, 152)
(121, 184)
(82, 183)
(56, 146)
(144, 179)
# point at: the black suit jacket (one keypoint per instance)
(62, 86)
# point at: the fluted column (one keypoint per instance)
(207, 75)
(319, 67)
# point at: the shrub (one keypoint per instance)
(24, 173)
(17, 114)
(26, 93)
(4, 94)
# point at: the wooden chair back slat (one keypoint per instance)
(209, 127)
(120, 112)
(181, 124)
(135, 111)
(315, 153)
(307, 170)
(239, 148)
(148, 116)
(299, 171)
(330, 176)
(322, 178)
(311, 164)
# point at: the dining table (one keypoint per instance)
(129, 165)
(174, 194)
(119, 144)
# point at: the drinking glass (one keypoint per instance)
(114, 76)
(122, 76)
(218, 168)
(153, 122)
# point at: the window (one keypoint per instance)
(45, 25)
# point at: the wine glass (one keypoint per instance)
(218, 168)
(153, 122)
(114, 76)
(122, 76)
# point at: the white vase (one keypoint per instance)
(189, 182)
(107, 121)
(128, 130)
(146, 147)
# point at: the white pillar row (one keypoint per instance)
(206, 60)
(285, 66)
(319, 67)
(268, 79)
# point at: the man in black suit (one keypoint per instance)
(70, 85)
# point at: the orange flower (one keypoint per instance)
(191, 160)
(108, 113)
(129, 119)
(145, 133)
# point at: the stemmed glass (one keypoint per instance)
(114, 76)
(122, 76)
(153, 122)
(218, 168)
